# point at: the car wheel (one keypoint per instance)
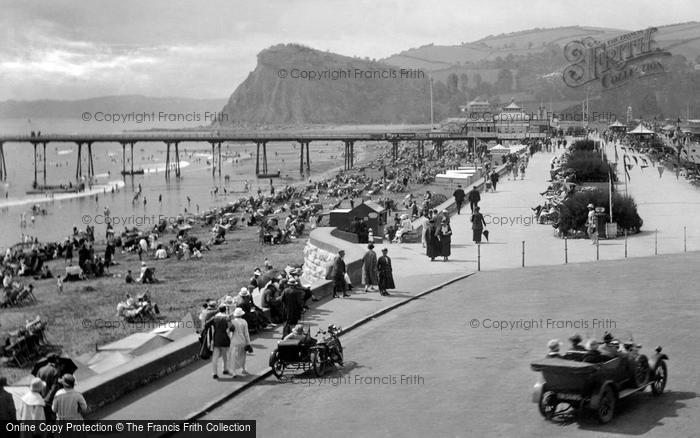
(548, 404)
(660, 377)
(641, 371)
(606, 405)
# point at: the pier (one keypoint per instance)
(173, 139)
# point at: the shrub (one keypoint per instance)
(574, 211)
(588, 166)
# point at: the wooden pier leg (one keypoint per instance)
(301, 158)
(91, 164)
(213, 160)
(2, 162)
(78, 169)
(35, 182)
(167, 160)
(220, 164)
(264, 145)
(124, 160)
(44, 144)
(257, 158)
(308, 160)
(352, 154)
(177, 160)
(132, 159)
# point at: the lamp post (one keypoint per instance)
(431, 104)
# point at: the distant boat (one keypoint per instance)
(135, 172)
(65, 152)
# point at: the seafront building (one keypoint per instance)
(511, 122)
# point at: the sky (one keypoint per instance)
(69, 49)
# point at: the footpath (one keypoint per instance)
(191, 391)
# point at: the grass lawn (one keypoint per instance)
(184, 284)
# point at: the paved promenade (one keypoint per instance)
(667, 204)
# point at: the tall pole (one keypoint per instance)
(431, 103)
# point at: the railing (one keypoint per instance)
(580, 250)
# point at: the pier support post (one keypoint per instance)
(167, 160)
(124, 160)
(213, 159)
(132, 159)
(35, 182)
(220, 163)
(78, 169)
(264, 164)
(3, 169)
(352, 154)
(304, 144)
(44, 145)
(91, 164)
(257, 158)
(177, 160)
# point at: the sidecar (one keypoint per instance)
(294, 354)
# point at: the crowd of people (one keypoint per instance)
(51, 396)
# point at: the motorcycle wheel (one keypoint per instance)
(276, 365)
(318, 361)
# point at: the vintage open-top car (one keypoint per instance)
(586, 379)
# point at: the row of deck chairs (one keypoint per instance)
(17, 295)
(26, 344)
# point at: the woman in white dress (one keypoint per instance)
(240, 341)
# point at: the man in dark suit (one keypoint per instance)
(459, 197)
(292, 300)
(7, 405)
(50, 374)
(473, 197)
(220, 324)
(339, 283)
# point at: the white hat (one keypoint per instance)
(591, 206)
(553, 345)
(238, 312)
(244, 292)
(228, 300)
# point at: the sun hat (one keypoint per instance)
(228, 300)
(36, 385)
(238, 312)
(67, 380)
(553, 345)
(292, 281)
(590, 206)
(244, 292)
(299, 329)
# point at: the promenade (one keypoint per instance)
(186, 392)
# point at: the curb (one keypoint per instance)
(221, 400)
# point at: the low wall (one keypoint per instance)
(107, 387)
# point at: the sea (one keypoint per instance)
(196, 190)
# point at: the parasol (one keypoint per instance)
(65, 365)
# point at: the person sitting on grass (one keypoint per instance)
(129, 279)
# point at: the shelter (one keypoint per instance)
(374, 214)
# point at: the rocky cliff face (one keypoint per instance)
(296, 85)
